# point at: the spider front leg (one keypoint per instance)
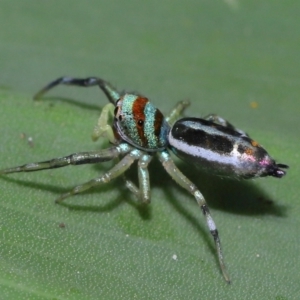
(184, 182)
(221, 121)
(108, 90)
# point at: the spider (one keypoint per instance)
(140, 131)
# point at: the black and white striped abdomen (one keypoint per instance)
(220, 149)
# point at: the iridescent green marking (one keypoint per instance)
(163, 136)
(152, 139)
(128, 123)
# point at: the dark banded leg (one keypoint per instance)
(177, 111)
(184, 182)
(221, 121)
(73, 159)
(108, 90)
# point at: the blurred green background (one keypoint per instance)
(239, 59)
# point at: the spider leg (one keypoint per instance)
(221, 121)
(108, 90)
(144, 181)
(143, 192)
(177, 111)
(73, 159)
(114, 172)
(103, 128)
(184, 182)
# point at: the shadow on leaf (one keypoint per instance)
(73, 102)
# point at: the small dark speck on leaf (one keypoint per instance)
(62, 225)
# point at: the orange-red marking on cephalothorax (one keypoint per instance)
(138, 108)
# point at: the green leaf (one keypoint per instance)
(235, 58)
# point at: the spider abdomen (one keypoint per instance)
(221, 150)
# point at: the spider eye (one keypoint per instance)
(140, 122)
